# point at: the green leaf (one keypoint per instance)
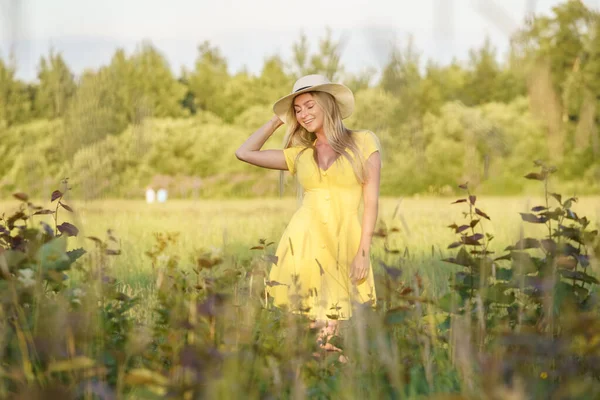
(462, 258)
(557, 196)
(535, 176)
(75, 254)
(555, 215)
(569, 202)
(481, 213)
(21, 196)
(523, 263)
(549, 245)
(451, 302)
(534, 219)
(13, 258)
(55, 195)
(444, 326)
(581, 292)
(568, 249)
(66, 207)
(462, 228)
(578, 276)
(472, 240)
(53, 255)
(396, 315)
(504, 257)
(564, 296)
(68, 229)
(43, 212)
(526, 243)
(572, 233)
(504, 274)
(459, 201)
(497, 293)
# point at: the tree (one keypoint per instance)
(208, 80)
(361, 80)
(56, 87)
(273, 82)
(154, 86)
(587, 129)
(15, 101)
(325, 62)
(99, 108)
(300, 57)
(401, 78)
(442, 84)
(126, 91)
(482, 78)
(555, 49)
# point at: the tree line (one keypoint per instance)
(134, 122)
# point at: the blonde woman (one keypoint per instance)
(323, 265)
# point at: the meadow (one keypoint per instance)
(181, 312)
(417, 231)
(234, 226)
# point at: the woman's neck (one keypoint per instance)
(321, 138)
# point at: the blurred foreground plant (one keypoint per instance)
(532, 314)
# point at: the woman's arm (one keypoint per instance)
(360, 265)
(371, 201)
(250, 151)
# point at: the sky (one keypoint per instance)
(87, 33)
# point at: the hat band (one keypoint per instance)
(302, 88)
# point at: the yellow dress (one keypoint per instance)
(311, 275)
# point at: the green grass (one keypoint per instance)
(236, 225)
(265, 351)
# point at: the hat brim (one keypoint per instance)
(342, 94)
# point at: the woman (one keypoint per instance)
(323, 264)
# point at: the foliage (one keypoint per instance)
(481, 119)
(527, 306)
(57, 87)
(202, 325)
(210, 325)
(48, 340)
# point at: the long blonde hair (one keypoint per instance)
(339, 137)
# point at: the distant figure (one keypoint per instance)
(150, 195)
(161, 195)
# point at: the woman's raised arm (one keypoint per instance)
(250, 151)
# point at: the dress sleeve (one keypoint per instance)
(290, 158)
(370, 144)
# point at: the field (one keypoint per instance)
(412, 365)
(234, 226)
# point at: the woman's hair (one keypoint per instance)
(339, 137)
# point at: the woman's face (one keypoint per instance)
(308, 113)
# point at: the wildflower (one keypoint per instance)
(544, 375)
(26, 277)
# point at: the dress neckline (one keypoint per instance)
(331, 165)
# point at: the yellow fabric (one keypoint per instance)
(322, 238)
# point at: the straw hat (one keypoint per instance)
(309, 83)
